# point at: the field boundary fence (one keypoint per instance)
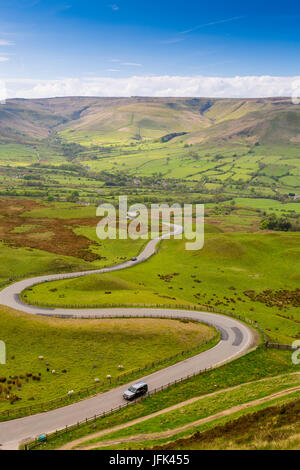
(96, 387)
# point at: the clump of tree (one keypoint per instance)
(272, 222)
(168, 137)
(74, 197)
(195, 156)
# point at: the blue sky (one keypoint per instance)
(54, 40)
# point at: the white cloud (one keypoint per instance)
(185, 86)
(4, 59)
(131, 64)
(4, 42)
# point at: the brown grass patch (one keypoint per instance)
(280, 298)
(52, 235)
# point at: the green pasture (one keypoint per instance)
(25, 262)
(218, 276)
(81, 351)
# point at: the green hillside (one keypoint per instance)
(237, 147)
(80, 119)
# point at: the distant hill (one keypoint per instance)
(203, 120)
(240, 146)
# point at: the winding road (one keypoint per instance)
(236, 339)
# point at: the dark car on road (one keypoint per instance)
(135, 391)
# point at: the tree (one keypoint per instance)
(74, 197)
(272, 222)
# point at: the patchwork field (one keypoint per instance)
(51, 149)
(59, 159)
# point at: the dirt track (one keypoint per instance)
(77, 442)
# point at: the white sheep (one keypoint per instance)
(70, 392)
(53, 371)
(96, 380)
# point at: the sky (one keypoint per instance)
(154, 48)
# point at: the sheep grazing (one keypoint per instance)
(41, 358)
(108, 376)
(96, 380)
(120, 367)
(53, 371)
(70, 392)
